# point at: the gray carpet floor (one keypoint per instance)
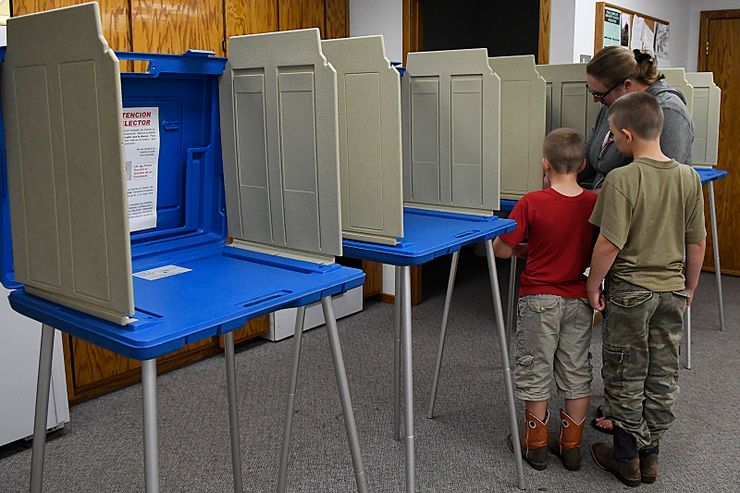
(461, 450)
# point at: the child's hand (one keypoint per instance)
(596, 299)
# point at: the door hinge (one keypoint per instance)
(706, 51)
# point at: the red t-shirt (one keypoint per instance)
(560, 241)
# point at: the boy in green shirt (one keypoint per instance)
(651, 215)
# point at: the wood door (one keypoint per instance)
(719, 50)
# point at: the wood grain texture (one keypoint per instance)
(301, 14)
(721, 29)
(543, 37)
(599, 28)
(373, 278)
(254, 328)
(336, 19)
(412, 30)
(114, 16)
(250, 16)
(174, 26)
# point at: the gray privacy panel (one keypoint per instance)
(706, 110)
(523, 100)
(451, 130)
(62, 107)
(279, 132)
(568, 102)
(369, 101)
(676, 78)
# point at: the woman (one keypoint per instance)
(613, 72)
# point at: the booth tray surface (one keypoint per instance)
(224, 288)
(430, 234)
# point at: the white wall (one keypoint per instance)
(562, 22)
(379, 17)
(578, 17)
(695, 8)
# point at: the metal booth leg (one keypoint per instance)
(397, 356)
(236, 454)
(151, 445)
(688, 337)
(285, 447)
(42, 408)
(715, 247)
(443, 332)
(408, 375)
(505, 359)
(511, 300)
(344, 395)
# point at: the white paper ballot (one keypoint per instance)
(141, 154)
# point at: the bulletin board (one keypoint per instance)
(624, 27)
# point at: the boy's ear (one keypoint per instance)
(546, 165)
(582, 166)
(629, 136)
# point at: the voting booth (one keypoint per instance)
(706, 112)
(676, 78)
(77, 266)
(568, 102)
(523, 122)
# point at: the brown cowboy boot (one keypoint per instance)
(649, 464)
(568, 445)
(627, 472)
(534, 441)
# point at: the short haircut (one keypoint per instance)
(565, 149)
(638, 112)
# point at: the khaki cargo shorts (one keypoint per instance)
(553, 335)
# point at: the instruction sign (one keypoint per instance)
(141, 155)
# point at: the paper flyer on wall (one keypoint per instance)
(661, 45)
(612, 27)
(141, 155)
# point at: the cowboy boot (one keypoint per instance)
(622, 460)
(534, 441)
(568, 444)
(649, 464)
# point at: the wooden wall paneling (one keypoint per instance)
(719, 48)
(114, 16)
(373, 278)
(174, 26)
(336, 19)
(254, 328)
(250, 16)
(412, 27)
(301, 14)
(23, 7)
(543, 38)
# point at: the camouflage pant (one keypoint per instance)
(642, 334)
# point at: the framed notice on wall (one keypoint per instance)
(617, 26)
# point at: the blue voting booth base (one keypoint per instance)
(220, 288)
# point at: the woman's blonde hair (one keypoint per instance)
(615, 64)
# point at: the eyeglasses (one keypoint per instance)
(602, 97)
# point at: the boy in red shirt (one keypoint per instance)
(554, 317)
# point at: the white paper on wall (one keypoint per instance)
(638, 25)
(141, 155)
(661, 44)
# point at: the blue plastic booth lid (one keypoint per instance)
(190, 193)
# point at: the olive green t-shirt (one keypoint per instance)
(651, 210)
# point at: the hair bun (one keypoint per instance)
(642, 56)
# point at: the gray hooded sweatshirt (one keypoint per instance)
(675, 141)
